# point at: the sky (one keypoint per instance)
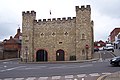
(104, 13)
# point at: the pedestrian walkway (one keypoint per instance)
(66, 77)
(114, 76)
(117, 52)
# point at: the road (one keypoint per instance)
(10, 70)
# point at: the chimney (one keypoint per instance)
(18, 30)
(10, 37)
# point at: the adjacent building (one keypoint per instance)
(60, 39)
(113, 34)
(99, 44)
(1, 50)
(12, 47)
(115, 37)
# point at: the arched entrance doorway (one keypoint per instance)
(60, 55)
(41, 55)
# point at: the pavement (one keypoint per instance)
(113, 76)
(96, 56)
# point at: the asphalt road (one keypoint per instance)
(78, 71)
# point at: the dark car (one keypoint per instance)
(115, 61)
(96, 49)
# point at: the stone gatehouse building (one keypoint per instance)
(60, 39)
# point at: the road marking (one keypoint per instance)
(94, 74)
(68, 79)
(56, 67)
(94, 61)
(15, 68)
(19, 78)
(100, 60)
(35, 67)
(8, 79)
(106, 73)
(5, 66)
(12, 68)
(2, 70)
(69, 76)
(43, 78)
(5, 62)
(31, 78)
(83, 78)
(32, 68)
(81, 75)
(56, 77)
(87, 65)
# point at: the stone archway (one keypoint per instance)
(60, 55)
(41, 55)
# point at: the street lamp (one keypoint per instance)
(87, 47)
(26, 49)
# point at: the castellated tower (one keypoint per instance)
(60, 39)
(27, 30)
(84, 32)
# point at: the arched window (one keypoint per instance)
(83, 36)
(83, 52)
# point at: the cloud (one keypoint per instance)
(108, 7)
(105, 14)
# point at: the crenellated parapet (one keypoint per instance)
(60, 20)
(29, 13)
(82, 8)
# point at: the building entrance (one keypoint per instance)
(42, 55)
(60, 55)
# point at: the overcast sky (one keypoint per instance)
(105, 14)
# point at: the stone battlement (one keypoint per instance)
(28, 13)
(55, 19)
(82, 8)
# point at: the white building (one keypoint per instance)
(117, 41)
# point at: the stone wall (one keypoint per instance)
(55, 35)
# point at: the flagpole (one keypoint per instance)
(50, 14)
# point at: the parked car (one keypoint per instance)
(109, 48)
(115, 61)
(96, 49)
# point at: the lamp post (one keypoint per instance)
(26, 49)
(87, 47)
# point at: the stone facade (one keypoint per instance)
(70, 38)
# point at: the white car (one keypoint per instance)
(109, 48)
